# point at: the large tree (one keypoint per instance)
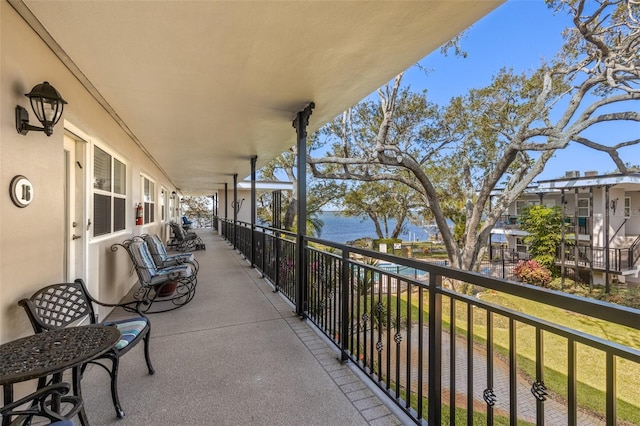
(319, 192)
(383, 203)
(500, 136)
(197, 208)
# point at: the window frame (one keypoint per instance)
(148, 204)
(117, 209)
(522, 204)
(582, 207)
(627, 207)
(163, 204)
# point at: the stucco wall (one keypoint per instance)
(244, 214)
(32, 238)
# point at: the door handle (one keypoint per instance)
(76, 237)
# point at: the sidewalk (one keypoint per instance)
(236, 355)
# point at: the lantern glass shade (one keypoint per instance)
(47, 104)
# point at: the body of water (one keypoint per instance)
(341, 229)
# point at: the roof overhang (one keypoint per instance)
(203, 86)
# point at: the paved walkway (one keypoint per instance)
(236, 355)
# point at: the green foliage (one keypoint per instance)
(196, 207)
(544, 225)
(388, 241)
(531, 272)
(319, 192)
(497, 138)
(381, 202)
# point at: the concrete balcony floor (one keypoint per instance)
(236, 355)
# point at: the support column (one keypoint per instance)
(563, 203)
(234, 204)
(213, 212)
(226, 211)
(300, 124)
(253, 211)
(276, 209)
(226, 201)
(606, 240)
(589, 229)
(576, 233)
(276, 212)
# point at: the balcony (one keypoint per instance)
(614, 260)
(504, 358)
(237, 354)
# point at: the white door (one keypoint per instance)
(74, 219)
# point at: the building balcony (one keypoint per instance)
(239, 353)
(236, 354)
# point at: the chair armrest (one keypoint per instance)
(39, 406)
(126, 306)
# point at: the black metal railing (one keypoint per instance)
(583, 223)
(635, 251)
(445, 356)
(620, 259)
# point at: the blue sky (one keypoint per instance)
(517, 34)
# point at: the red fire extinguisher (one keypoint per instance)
(139, 214)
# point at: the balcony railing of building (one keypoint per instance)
(430, 348)
(584, 224)
(620, 259)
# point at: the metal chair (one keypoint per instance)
(68, 304)
(183, 241)
(186, 223)
(163, 260)
(161, 289)
(40, 406)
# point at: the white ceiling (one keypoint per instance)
(205, 85)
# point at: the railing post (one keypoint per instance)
(435, 353)
(278, 246)
(301, 276)
(264, 252)
(344, 306)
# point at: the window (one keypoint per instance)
(149, 194)
(583, 207)
(627, 206)
(521, 204)
(109, 193)
(521, 247)
(163, 205)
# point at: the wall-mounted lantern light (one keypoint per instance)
(237, 205)
(173, 195)
(46, 103)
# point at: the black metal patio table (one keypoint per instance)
(51, 353)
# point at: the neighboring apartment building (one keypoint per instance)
(601, 213)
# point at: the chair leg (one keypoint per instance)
(114, 388)
(77, 391)
(146, 354)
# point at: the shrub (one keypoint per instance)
(531, 272)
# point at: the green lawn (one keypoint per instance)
(590, 362)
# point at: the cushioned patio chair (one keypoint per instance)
(67, 304)
(182, 240)
(161, 289)
(37, 407)
(186, 223)
(162, 259)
